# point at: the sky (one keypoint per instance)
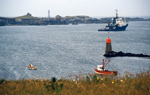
(92, 8)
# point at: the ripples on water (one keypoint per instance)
(58, 49)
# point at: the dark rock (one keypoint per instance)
(120, 53)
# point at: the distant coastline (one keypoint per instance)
(28, 19)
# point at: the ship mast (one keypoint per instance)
(116, 13)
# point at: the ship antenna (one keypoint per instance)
(125, 19)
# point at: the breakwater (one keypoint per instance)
(120, 53)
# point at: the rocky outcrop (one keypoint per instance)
(28, 19)
(121, 54)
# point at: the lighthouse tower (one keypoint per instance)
(108, 45)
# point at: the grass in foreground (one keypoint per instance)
(138, 84)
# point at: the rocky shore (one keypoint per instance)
(121, 54)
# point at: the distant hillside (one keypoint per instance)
(80, 19)
(76, 17)
(28, 19)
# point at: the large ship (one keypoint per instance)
(117, 24)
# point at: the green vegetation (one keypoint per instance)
(138, 84)
(26, 17)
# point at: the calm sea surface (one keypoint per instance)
(58, 49)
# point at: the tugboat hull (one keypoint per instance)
(32, 68)
(114, 28)
(106, 72)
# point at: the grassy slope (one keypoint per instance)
(25, 17)
(89, 85)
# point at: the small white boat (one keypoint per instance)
(30, 67)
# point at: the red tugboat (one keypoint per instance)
(101, 70)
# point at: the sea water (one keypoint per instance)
(57, 50)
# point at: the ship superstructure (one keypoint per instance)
(117, 24)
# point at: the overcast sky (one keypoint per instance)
(97, 8)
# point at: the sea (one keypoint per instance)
(64, 50)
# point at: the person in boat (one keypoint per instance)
(30, 66)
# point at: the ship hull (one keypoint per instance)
(32, 68)
(116, 28)
(106, 72)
